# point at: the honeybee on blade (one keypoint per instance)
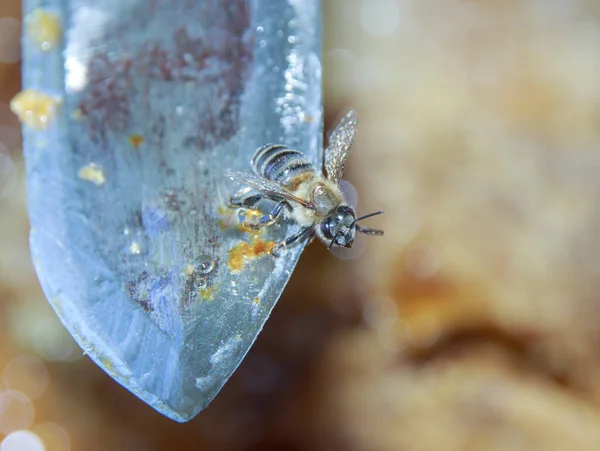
(310, 198)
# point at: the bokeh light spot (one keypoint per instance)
(422, 262)
(380, 17)
(17, 412)
(8, 174)
(54, 436)
(22, 441)
(34, 325)
(10, 40)
(28, 375)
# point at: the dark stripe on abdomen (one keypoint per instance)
(292, 170)
(263, 154)
(280, 163)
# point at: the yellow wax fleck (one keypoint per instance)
(34, 109)
(208, 294)
(189, 270)
(136, 140)
(45, 28)
(135, 248)
(92, 173)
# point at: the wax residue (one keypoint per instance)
(35, 109)
(44, 28)
(239, 254)
(92, 173)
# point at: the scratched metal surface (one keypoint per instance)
(160, 98)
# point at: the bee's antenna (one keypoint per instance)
(366, 230)
(333, 241)
(366, 216)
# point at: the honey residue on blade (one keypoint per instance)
(45, 28)
(92, 173)
(136, 140)
(207, 294)
(34, 109)
(238, 218)
(189, 270)
(239, 254)
(77, 114)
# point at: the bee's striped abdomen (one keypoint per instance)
(279, 163)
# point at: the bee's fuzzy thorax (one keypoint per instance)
(330, 197)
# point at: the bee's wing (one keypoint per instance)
(339, 144)
(266, 186)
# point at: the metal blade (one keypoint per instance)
(133, 110)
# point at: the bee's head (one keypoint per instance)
(340, 227)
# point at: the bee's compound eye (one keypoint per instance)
(345, 215)
(347, 220)
(327, 228)
(346, 239)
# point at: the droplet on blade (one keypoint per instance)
(204, 264)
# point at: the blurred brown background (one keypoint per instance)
(474, 324)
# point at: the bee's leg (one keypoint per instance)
(290, 239)
(270, 217)
(246, 202)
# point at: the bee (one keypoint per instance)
(311, 198)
